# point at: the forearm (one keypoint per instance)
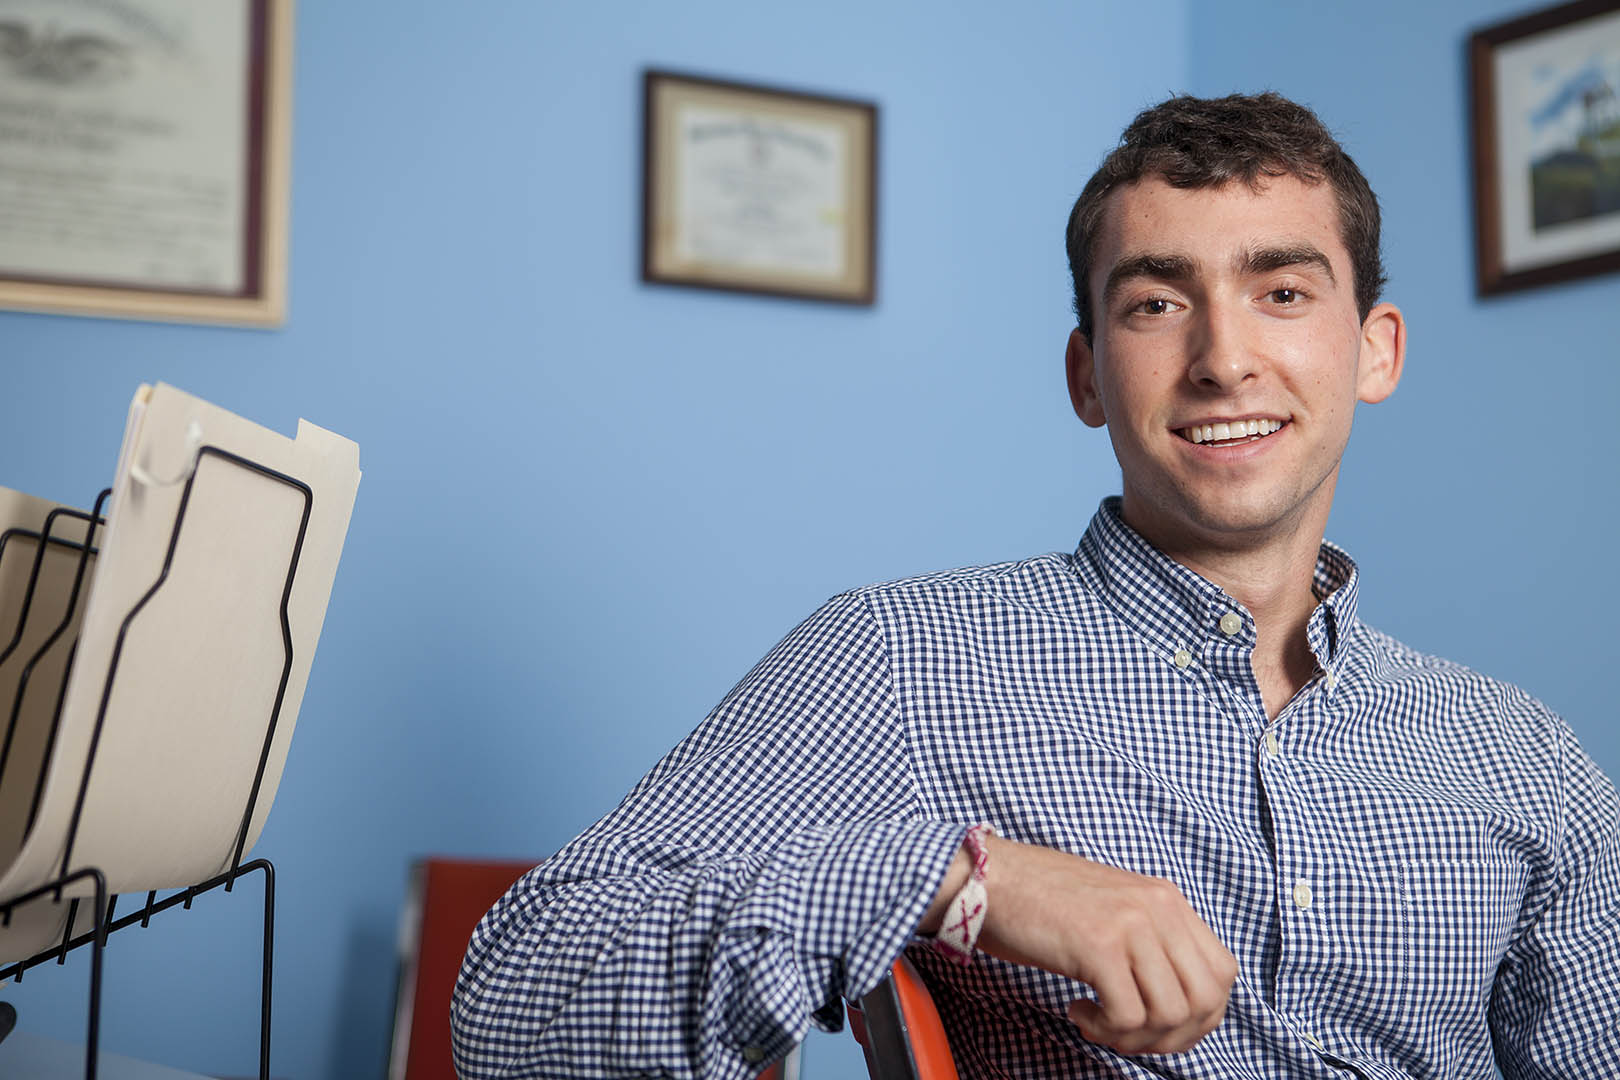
(706, 970)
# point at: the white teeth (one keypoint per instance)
(1231, 429)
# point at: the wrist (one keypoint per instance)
(956, 875)
(958, 933)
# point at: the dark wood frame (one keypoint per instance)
(863, 114)
(1491, 276)
(262, 299)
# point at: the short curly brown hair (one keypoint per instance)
(1209, 142)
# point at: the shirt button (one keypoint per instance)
(1230, 624)
(1315, 1042)
(1302, 893)
(1329, 680)
(753, 1055)
(1272, 748)
(1183, 658)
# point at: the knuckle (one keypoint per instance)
(1207, 1003)
(1132, 922)
(1126, 1042)
(1178, 1015)
(1163, 889)
(1128, 928)
(1209, 1024)
(1132, 1017)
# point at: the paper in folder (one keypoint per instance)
(165, 672)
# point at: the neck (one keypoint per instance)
(1272, 579)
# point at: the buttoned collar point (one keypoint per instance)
(1179, 612)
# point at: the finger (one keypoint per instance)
(1119, 1007)
(1222, 968)
(1206, 972)
(1205, 979)
(1160, 985)
(1222, 964)
(1139, 998)
(1086, 1015)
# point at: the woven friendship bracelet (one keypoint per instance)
(959, 933)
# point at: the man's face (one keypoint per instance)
(1222, 314)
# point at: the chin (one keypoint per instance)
(1227, 520)
(1255, 518)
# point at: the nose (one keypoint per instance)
(1222, 355)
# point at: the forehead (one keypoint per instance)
(1215, 226)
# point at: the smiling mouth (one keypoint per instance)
(1231, 433)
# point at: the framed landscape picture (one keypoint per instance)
(1546, 127)
(756, 189)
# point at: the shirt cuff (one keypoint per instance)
(844, 904)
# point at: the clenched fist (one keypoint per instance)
(1162, 977)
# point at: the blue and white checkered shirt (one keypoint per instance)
(1416, 866)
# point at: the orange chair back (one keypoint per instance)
(900, 1031)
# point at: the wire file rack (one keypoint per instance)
(99, 907)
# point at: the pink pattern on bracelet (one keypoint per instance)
(964, 918)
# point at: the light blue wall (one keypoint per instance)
(1481, 499)
(589, 505)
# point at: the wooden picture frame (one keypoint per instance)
(147, 162)
(757, 189)
(1546, 139)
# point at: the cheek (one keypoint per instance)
(1324, 367)
(1137, 387)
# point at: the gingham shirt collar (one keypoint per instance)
(1175, 608)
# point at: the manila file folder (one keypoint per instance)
(150, 736)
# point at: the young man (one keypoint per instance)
(1231, 830)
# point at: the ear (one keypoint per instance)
(1081, 367)
(1383, 353)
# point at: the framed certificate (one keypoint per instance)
(1546, 118)
(143, 158)
(757, 189)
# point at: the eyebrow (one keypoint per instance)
(1265, 260)
(1175, 267)
(1148, 265)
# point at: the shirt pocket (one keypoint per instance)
(1458, 918)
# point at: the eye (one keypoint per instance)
(1286, 296)
(1156, 305)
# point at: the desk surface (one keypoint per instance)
(24, 1056)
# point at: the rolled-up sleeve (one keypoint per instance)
(772, 864)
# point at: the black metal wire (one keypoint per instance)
(96, 938)
(50, 743)
(44, 540)
(139, 917)
(27, 672)
(163, 575)
(39, 557)
(104, 923)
